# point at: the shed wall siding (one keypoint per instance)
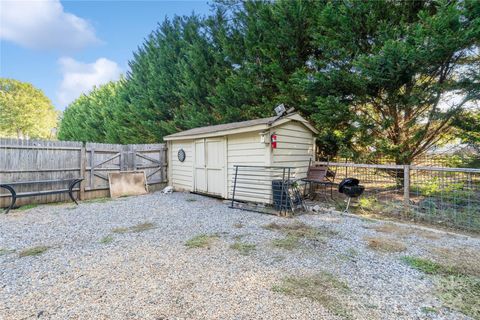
(181, 172)
(294, 147)
(246, 149)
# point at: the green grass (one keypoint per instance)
(461, 293)
(141, 227)
(243, 248)
(33, 251)
(296, 232)
(5, 251)
(97, 200)
(302, 230)
(349, 255)
(428, 310)
(201, 241)
(428, 266)
(288, 243)
(322, 287)
(27, 207)
(106, 240)
(458, 290)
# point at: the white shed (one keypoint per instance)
(202, 159)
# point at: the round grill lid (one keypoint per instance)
(348, 182)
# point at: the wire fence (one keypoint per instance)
(448, 196)
(463, 160)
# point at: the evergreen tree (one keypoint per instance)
(90, 117)
(385, 71)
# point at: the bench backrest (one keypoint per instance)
(38, 181)
(320, 173)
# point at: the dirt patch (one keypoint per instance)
(465, 261)
(295, 233)
(322, 287)
(385, 244)
(141, 227)
(403, 231)
(302, 230)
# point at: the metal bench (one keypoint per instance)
(11, 187)
(319, 176)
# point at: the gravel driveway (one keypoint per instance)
(128, 259)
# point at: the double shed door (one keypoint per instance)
(210, 166)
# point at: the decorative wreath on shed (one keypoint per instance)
(181, 155)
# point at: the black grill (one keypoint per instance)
(351, 188)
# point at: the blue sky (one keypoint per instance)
(64, 48)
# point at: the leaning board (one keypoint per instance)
(127, 183)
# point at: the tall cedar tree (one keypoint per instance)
(377, 78)
(89, 118)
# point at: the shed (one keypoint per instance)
(202, 159)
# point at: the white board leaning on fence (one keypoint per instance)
(127, 183)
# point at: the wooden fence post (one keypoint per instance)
(406, 186)
(92, 166)
(83, 163)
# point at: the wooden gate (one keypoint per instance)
(102, 158)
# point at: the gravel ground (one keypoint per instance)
(153, 275)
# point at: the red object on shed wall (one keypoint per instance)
(274, 141)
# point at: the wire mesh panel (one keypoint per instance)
(448, 196)
(273, 190)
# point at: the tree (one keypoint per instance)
(25, 112)
(377, 78)
(266, 44)
(392, 76)
(90, 117)
(171, 79)
(468, 125)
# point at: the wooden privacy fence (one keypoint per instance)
(29, 160)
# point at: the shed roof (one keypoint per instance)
(238, 127)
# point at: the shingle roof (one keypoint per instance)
(222, 127)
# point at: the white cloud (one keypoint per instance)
(43, 25)
(79, 77)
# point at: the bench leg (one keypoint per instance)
(14, 197)
(70, 190)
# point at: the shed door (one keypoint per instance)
(210, 166)
(200, 171)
